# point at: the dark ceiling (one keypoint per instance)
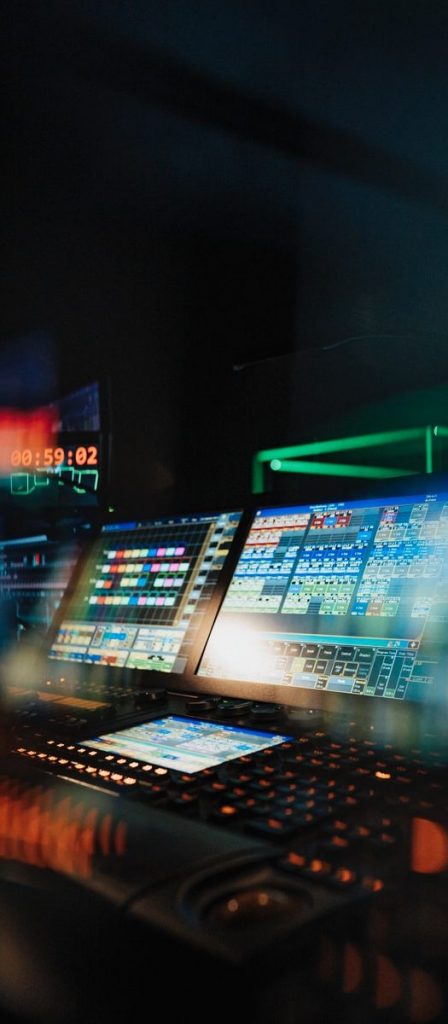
(238, 211)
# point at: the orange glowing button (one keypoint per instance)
(319, 867)
(339, 841)
(296, 859)
(372, 884)
(345, 876)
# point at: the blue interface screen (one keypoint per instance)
(184, 744)
(144, 592)
(346, 597)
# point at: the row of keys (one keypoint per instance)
(276, 793)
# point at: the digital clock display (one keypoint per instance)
(61, 473)
(50, 458)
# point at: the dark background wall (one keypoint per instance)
(237, 212)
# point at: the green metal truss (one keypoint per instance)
(293, 458)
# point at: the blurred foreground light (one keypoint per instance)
(22, 434)
(40, 828)
(429, 847)
(22, 666)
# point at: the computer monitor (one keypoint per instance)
(144, 591)
(34, 573)
(345, 600)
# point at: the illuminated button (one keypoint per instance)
(104, 773)
(62, 760)
(121, 760)
(247, 803)
(360, 832)
(266, 769)
(289, 799)
(133, 764)
(293, 862)
(385, 839)
(186, 798)
(239, 791)
(161, 771)
(274, 827)
(129, 781)
(339, 842)
(371, 884)
(109, 757)
(116, 777)
(343, 878)
(318, 867)
(145, 767)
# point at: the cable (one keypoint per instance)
(315, 349)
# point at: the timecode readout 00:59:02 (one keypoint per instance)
(82, 455)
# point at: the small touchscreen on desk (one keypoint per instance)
(185, 744)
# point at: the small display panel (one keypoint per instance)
(62, 473)
(185, 744)
(57, 455)
(144, 592)
(347, 598)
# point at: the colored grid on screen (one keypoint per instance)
(143, 576)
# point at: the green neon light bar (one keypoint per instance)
(338, 469)
(342, 444)
(279, 459)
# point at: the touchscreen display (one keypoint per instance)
(185, 744)
(347, 597)
(144, 592)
